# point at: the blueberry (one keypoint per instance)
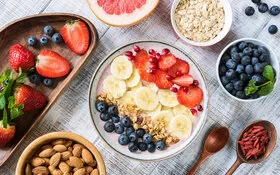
(133, 147)
(142, 146)
(104, 116)
(234, 49)
(48, 82)
(254, 60)
(238, 85)
(249, 69)
(147, 138)
(6, 82)
(242, 45)
(258, 68)
(265, 64)
(248, 51)
(115, 118)
(57, 38)
(44, 40)
(258, 79)
(109, 127)
(129, 130)
(264, 57)
(235, 57)
(119, 129)
(48, 30)
(272, 29)
(274, 10)
(133, 137)
(101, 106)
(112, 109)
(233, 92)
(251, 45)
(123, 139)
(241, 54)
(224, 58)
(249, 11)
(34, 78)
(231, 64)
(229, 87)
(245, 60)
(125, 121)
(240, 94)
(256, 1)
(262, 50)
(231, 74)
(224, 80)
(31, 41)
(222, 70)
(240, 68)
(255, 95)
(151, 147)
(263, 7)
(256, 53)
(141, 132)
(244, 77)
(160, 145)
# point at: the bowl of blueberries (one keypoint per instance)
(247, 69)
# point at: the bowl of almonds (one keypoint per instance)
(61, 153)
(201, 22)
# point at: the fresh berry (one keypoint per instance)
(234, 49)
(185, 89)
(153, 60)
(51, 65)
(224, 58)
(244, 77)
(104, 116)
(242, 45)
(113, 110)
(235, 57)
(169, 77)
(147, 138)
(160, 145)
(101, 106)
(256, 53)
(231, 74)
(44, 40)
(229, 87)
(240, 68)
(123, 139)
(173, 89)
(240, 94)
(238, 85)
(131, 58)
(128, 53)
(6, 134)
(254, 60)
(181, 66)
(190, 99)
(29, 97)
(194, 112)
(34, 78)
(258, 79)
(179, 73)
(48, 82)
(248, 51)
(48, 30)
(151, 147)
(133, 137)
(224, 80)
(109, 126)
(142, 64)
(199, 108)
(256, 1)
(160, 79)
(263, 7)
(142, 146)
(195, 82)
(119, 129)
(32, 41)
(140, 132)
(273, 29)
(249, 69)
(136, 48)
(125, 121)
(150, 71)
(258, 68)
(129, 130)
(158, 56)
(57, 38)
(152, 52)
(75, 34)
(222, 70)
(133, 147)
(264, 57)
(185, 80)
(249, 11)
(274, 10)
(115, 118)
(245, 60)
(165, 51)
(230, 64)
(167, 61)
(255, 96)
(20, 57)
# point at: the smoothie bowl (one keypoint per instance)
(148, 100)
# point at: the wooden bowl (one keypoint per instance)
(34, 146)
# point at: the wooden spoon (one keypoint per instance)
(269, 147)
(215, 141)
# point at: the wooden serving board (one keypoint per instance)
(18, 32)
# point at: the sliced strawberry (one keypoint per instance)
(51, 65)
(139, 57)
(142, 64)
(191, 98)
(180, 66)
(76, 35)
(160, 79)
(167, 61)
(185, 80)
(6, 134)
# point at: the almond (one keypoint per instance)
(46, 147)
(57, 172)
(60, 148)
(87, 156)
(95, 172)
(77, 151)
(58, 142)
(89, 169)
(68, 143)
(70, 149)
(55, 159)
(28, 170)
(47, 153)
(64, 167)
(75, 162)
(81, 171)
(51, 168)
(40, 170)
(78, 145)
(65, 155)
(47, 161)
(36, 161)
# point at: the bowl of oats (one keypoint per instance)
(201, 22)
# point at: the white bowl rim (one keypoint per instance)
(272, 55)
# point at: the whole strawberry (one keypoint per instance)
(6, 134)
(20, 57)
(30, 98)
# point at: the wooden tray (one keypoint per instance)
(18, 32)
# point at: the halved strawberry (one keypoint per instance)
(51, 65)
(6, 134)
(140, 56)
(184, 80)
(142, 64)
(180, 66)
(167, 61)
(160, 79)
(191, 98)
(76, 35)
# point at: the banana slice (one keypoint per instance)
(181, 126)
(152, 86)
(181, 109)
(121, 67)
(165, 116)
(153, 112)
(134, 79)
(128, 98)
(146, 99)
(167, 98)
(134, 89)
(114, 86)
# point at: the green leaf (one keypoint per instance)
(22, 79)
(268, 73)
(12, 102)
(267, 89)
(5, 118)
(251, 89)
(5, 75)
(2, 101)
(16, 111)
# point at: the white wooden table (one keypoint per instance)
(70, 113)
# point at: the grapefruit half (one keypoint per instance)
(122, 12)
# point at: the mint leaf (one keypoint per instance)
(5, 75)
(11, 102)
(2, 101)
(16, 111)
(268, 73)
(267, 89)
(5, 118)
(251, 89)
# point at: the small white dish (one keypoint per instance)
(273, 61)
(219, 37)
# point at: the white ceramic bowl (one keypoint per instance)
(273, 61)
(219, 37)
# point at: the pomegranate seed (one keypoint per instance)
(179, 73)
(152, 52)
(153, 66)
(128, 53)
(194, 112)
(131, 58)
(136, 48)
(174, 89)
(165, 51)
(195, 82)
(169, 77)
(185, 89)
(158, 56)
(153, 60)
(199, 108)
(150, 71)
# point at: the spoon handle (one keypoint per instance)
(201, 159)
(234, 167)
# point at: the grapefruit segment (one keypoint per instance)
(122, 12)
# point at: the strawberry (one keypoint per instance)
(20, 57)
(29, 97)
(190, 98)
(142, 64)
(6, 134)
(160, 79)
(51, 65)
(185, 80)
(75, 34)
(180, 66)
(167, 61)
